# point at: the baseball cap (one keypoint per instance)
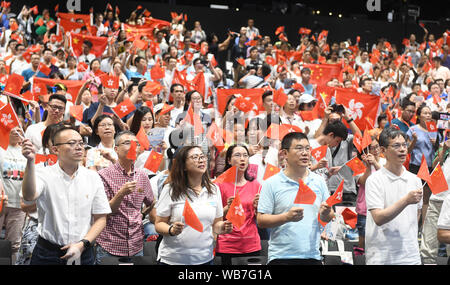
(306, 98)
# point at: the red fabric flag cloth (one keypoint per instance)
(99, 44)
(143, 139)
(326, 92)
(215, 136)
(190, 218)
(124, 108)
(357, 141)
(236, 213)
(73, 86)
(337, 195)
(359, 106)
(423, 172)
(254, 95)
(304, 195)
(198, 84)
(153, 161)
(76, 111)
(321, 74)
(195, 120)
(157, 72)
(40, 22)
(14, 84)
(243, 104)
(299, 87)
(110, 81)
(431, 126)
(44, 69)
(39, 158)
(51, 25)
(1, 201)
(166, 108)
(75, 18)
(8, 121)
(279, 97)
(304, 31)
(350, 217)
(228, 176)
(140, 44)
(366, 140)
(153, 87)
(270, 171)
(279, 30)
(322, 223)
(357, 166)
(241, 61)
(438, 182)
(179, 77)
(132, 152)
(320, 152)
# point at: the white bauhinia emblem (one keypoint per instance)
(123, 109)
(358, 141)
(355, 109)
(239, 210)
(6, 119)
(110, 82)
(318, 154)
(339, 195)
(37, 89)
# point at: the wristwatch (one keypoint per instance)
(86, 243)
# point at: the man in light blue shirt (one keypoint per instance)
(295, 235)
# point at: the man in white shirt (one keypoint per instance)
(86, 56)
(71, 202)
(439, 71)
(394, 200)
(252, 31)
(19, 64)
(178, 95)
(364, 62)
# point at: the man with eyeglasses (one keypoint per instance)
(127, 189)
(295, 235)
(55, 112)
(71, 202)
(19, 64)
(394, 202)
(408, 111)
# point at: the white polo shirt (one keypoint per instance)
(65, 205)
(190, 247)
(444, 217)
(395, 242)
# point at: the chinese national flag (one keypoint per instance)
(359, 105)
(215, 136)
(157, 72)
(309, 115)
(228, 176)
(14, 84)
(356, 165)
(254, 95)
(70, 26)
(299, 87)
(350, 217)
(8, 121)
(124, 108)
(99, 44)
(423, 173)
(305, 195)
(407, 161)
(190, 218)
(270, 171)
(195, 120)
(438, 182)
(44, 69)
(279, 97)
(76, 111)
(366, 140)
(326, 92)
(153, 161)
(132, 152)
(73, 86)
(357, 141)
(236, 213)
(153, 87)
(322, 73)
(304, 31)
(320, 152)
(140, 44)
(198, 84)
(337, 195)
(143, 139)
(179, 77)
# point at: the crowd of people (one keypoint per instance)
(116, 132)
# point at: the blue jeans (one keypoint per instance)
(102, 253)
(361, 225)
(44, 255)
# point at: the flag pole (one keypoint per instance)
(431, 173)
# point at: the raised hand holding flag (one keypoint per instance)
(236, 213)
(337, 196)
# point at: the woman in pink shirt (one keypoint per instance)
(244, 241)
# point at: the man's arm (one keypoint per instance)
(29, 177)
(443, 236)
(126, 189)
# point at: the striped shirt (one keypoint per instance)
(124, 232)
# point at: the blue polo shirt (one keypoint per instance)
(293, 240)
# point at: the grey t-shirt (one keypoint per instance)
(342, 156)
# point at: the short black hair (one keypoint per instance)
(389, 134)
(289, 138)
(337, 128)
(88, 43)
(265, 69)
(266, 94)
(60, 130)
(59, 97)
(406, 103)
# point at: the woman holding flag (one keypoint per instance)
(244, 240)
(188, 230)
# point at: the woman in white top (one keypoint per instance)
(189, 181)
(103, 155)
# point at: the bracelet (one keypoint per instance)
(349, 121)
(170, 234)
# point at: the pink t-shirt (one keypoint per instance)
(246, 239)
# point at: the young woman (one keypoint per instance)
(244, 241)
(189, 181)
(103, 155)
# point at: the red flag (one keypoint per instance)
(357, 141)
(357, 166)
(279, 30)
(109, 7)
(366, 140)
(195, 120)
(166, 108)
(99, 44)
(75, 18)
(321, 74)
(76, 111)
(132, 152)
(214, 61)
(350, 217)
(228, 176)
(254, 95)
(276, 131)
(299, 87)
(153, 87)
(279, 97)
(51, 25)
(190, 218)
(236, 213)
(271, 61)
(40, 22)
(157, 72)
(215, 136)
(241, 61)
(110, 81)
(143, 139)
(153, 161)
(73, 86)
(124, 108)
(304, 31)
(243, 104)
(360, 106)
(34, 9)
(320, 152)
(140, 44)
(423, 172)
(8, 121)
(304, 195)
(337, 195)
(14, 84)
(198, 83)
(431, 126)
(44, 69)
(270, 171)
(438, 182)
(203, 48)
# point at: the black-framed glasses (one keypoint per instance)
(73, 144)
(301, 149)
(57, 108)
(129, 143)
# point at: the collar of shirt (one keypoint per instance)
(289, 180)
(64, 175)
(394, 177)
(120, 169)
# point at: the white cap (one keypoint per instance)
(306, 98)
(158, 107)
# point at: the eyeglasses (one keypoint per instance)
(302, 149)
(374, 147)
(73, 144)
(106, 125)
(240, 155)
(57, 108)
(129, 143)
(397, 146)
(197, 157)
